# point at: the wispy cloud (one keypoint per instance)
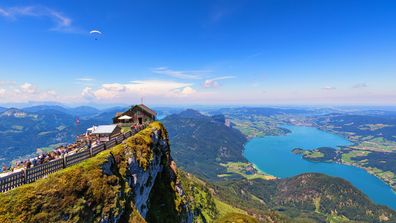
(360, 85)
(85, 79)
(221, 11)
(213, 83)
(25, 92)
(218, 15)
(329, 88)
(62, 22)
(138, 88)
(188, 75)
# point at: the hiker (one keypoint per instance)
(28, 164)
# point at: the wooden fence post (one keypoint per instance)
(25, 177)
(64, 161)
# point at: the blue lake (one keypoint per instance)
(272, 154)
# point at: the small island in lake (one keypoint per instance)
(322, 154)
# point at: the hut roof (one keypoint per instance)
(147, 109)
(104, 129)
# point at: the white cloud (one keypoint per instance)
(49, 95)
(62, 23)
(188, 91)
(213, 83)
(140, 88)
(360, 85)
(88, 93)
(189, 75)
(27, 88)
(13, 92)
(329, 88)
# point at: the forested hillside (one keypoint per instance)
(201, 143)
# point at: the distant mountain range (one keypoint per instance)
(78, 111)
(23, 131)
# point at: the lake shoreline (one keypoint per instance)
(354, 165)
(277, 160)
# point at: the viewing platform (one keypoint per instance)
(28, 175)
(135, 119)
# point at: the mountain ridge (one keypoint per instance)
(188, 128)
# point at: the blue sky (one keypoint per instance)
(199, 52)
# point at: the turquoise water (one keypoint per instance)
(273, 155)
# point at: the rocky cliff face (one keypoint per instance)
(123, 184)
(146, 169)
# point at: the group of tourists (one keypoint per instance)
(83, 142)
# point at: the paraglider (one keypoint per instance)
(95, 33)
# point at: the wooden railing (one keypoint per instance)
(97, 149)
(11, 181)
(77, 157)
(29, 175)
(37, 172)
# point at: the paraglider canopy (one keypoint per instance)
(95, 33)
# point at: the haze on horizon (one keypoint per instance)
(202, 52)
